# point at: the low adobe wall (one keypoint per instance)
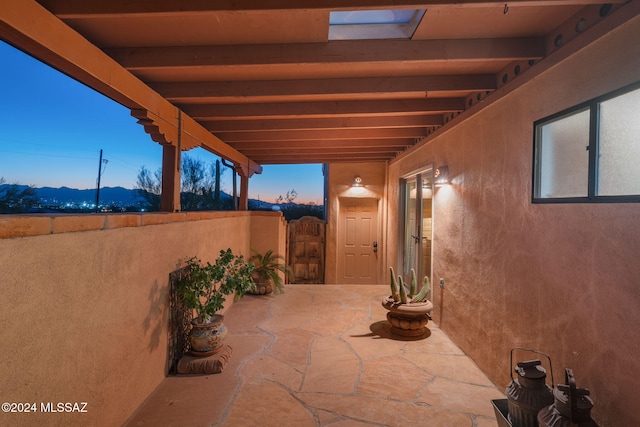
(84, 305)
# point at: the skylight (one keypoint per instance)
(374, 24)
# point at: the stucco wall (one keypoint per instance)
(84, 315)
(269, 232)
(340, 180)
(563, 279)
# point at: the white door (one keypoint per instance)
(357, 249)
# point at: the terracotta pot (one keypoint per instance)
(207, 338)
(409, 319)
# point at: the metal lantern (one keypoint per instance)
(571, 406)
(528, 393)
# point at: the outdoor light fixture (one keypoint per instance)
(441, 175)
(357, 182)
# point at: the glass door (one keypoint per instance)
(417, 232)
(411, 229)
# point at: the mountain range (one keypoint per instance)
(119, 196)
(73, 195)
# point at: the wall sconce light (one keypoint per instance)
(441, 175)
(357, 182)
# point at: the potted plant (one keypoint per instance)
(203, 290)
(408, 308)
(266, 273)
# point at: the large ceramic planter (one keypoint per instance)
(262, 288)
(207, 338)
(407, 320)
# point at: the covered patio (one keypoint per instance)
(85, 298)
(324, 356)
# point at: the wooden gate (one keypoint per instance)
(306, 249)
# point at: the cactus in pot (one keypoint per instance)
(408, 307)
(400, 293)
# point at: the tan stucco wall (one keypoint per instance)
(340, 179)
(563, 279)
(84, 314)
(269, 232)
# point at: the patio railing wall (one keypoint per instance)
(85, 303)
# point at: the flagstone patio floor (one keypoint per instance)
(323, 355)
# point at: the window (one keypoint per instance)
(590, 153)
(374, 24)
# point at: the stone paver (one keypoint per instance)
(334, 368)
(262, 403)
(460, 397)
(392, 377)
(293, 346)
(323, 355)
(456, 367)
(385, 412)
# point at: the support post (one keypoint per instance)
(170, 201)
(98, 182)
(244, 193)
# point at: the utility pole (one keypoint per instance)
(99, 174)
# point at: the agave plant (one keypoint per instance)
(400, 293)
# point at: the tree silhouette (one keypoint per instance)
(149, 188)
(200, 186)
(16, 198)
(289, 197)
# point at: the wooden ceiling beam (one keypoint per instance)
(328, 153)
(321, 158)
(313, 150)
(400, 143)
(333, 52)
(322, 135)
(118, 8)
(423, 121)
(252, 91)
(325, 109)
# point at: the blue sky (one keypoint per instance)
(52, 129)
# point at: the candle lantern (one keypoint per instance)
(571, 406)
(528, 393)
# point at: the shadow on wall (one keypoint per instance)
(152, 324)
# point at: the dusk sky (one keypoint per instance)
(52, 129)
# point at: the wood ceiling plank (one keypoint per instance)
(243, 91)
(423, 121)
(400, 143)
(449, 23)
(325, 109)
(334, 52)
(323, 134)
(325, 154)
(317, 151)
(333, 158)
(78, 8)
(320, 71)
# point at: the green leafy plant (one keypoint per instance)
(203, 288)
(267, 267)
(400, 293)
